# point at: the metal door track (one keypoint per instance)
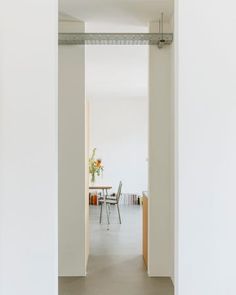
(159, 39)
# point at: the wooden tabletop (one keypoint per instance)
(102, 187)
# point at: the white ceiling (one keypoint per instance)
(136, 12)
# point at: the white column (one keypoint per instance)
(159, 252)
(28, 147)
(206, 109)
(73, 196)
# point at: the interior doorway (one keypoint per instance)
(158, 232)
(117, 95)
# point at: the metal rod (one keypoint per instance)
(162, 25)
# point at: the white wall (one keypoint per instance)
(73, 211)
(160, 258)
(117, 90)
(206, 108)
(119, 131)
(116, 72)
(28, 147)
(172, 152)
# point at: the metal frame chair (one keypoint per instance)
(110, 200)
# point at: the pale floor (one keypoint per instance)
(115, 264)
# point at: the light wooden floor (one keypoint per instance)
(115, 263)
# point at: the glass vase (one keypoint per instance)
(93, 178)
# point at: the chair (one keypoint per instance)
(111, 200)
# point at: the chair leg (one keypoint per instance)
(108, 220)
(118, 209)
(100, 219)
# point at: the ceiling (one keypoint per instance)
(132, 12)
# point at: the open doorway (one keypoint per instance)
(110, 110)
(117, 97)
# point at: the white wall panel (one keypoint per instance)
(28, 147)
(73, 211)
(206, 108)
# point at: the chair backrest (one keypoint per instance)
(118, 194)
